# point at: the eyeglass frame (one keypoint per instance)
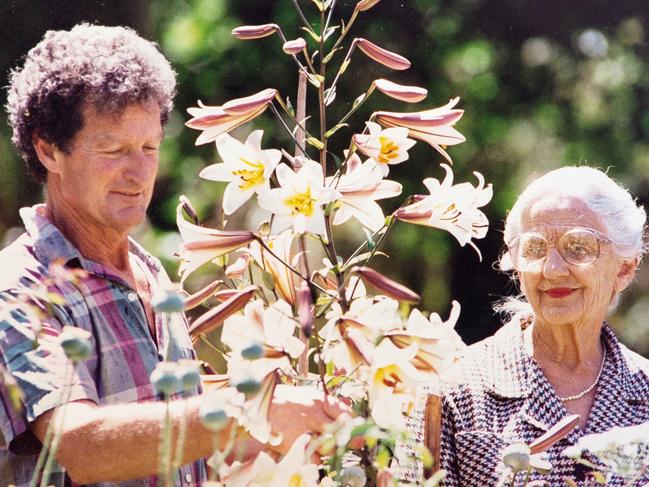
(599, 236)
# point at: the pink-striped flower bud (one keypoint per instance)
(247, 32)
(250, 103)
(295, 46)
(364, 5)
(199, 297)
(238, 267)
(386, 285)
(382, 56)
(410, 94)
(555, 434)
(217, 315)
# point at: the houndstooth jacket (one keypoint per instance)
(500, 396)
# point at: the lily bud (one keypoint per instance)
(554, 434)
(304, 303)
(410, 94)
(387, 286)
(250, 103)
(188, 208)
(247, 32)
(75, 343)
(237, 269)
(353, 476)
(364, 5)
(517, 457)
(216, 316)
(187, 375)
(382, 56)
(201, 296)
(168, 302)
(164, 379)
(295, 46)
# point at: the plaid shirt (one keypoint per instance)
(503, 397)
(123, 351)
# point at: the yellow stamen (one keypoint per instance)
(296, 480)
(250, 177)
(301, 203)
(389, 150)
(388, 376)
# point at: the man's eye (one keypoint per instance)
(151, 149)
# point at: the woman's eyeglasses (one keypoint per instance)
(579, 246)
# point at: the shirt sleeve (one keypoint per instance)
(38, 376)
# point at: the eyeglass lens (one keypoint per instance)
(577, 247)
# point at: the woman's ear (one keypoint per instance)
(625, 274)
(48, 153)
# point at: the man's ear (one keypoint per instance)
(48, 153)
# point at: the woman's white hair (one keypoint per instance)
(623, 218)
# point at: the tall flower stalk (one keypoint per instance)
(361, 347)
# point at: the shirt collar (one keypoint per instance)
(51, 245)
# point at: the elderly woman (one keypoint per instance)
(574, 240)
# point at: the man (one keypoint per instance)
(87, 111)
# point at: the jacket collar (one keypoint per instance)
(515, 375)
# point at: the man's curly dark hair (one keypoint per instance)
(108, 67)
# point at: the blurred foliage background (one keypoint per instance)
(544, 84)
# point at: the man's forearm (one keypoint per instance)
(121, 442)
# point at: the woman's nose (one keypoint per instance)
(554, 265)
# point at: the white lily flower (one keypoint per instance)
(272, 327)
(385, 146)
(360, 187)
(438, 342)
(283, 277)
(293, 470)
(392, 371)
(450, 207)
(298, 202)
(246, 167)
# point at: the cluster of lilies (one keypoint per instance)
(286, 322)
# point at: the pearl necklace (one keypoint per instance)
(581, 394)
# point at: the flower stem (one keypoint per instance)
(53, 436)
(182, 435)
(290, 132)
(304, 20)
(164, 467)
(290, 267)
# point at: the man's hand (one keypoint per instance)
(298, 410)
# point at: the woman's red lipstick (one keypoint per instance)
(559, 292)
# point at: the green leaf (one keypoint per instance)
(359, 258)
(343, 66)
(334, 129)
(359, 100)
(371, 244)
(330, 31)
(315, 143)
(267, 279)
(313, 35)
(330, 55)
(383, 457)
(289, 107)
(337, 160)
(313, 79)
